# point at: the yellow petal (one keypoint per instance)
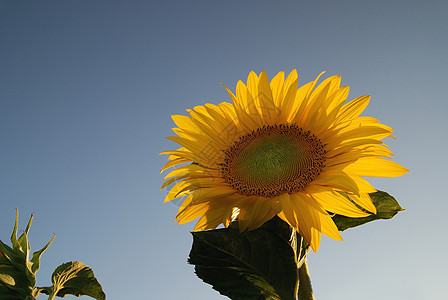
(314, 83)
(172, 180)
(321, 121)
(359, 133)
(364, 201)
(213, 217)
(277, 88)
(190, 212)
(186, 154)
(354, 108)
(192, 169)
(317, 104)
(180, 189)
(202, 139)
(292, 77)
(339, 98)
(343, 158)
(247, 110)
(335, 102)
(376, 150)
(217, 191)
(267, 107)
(308, 219)
(329, 228)
(363, 185)
(331, 83)
(226, 122)
(299, 103)
(202, 149)
(290, 97)
(209, 127)
(337, 179)
(185, 122)
(239, 109)
(336, 203)
(173, 163)
(305, 91)
(376, 167)
(287, 210)
(207, 222)
(252, 83)
(348, 145)
(254, 213)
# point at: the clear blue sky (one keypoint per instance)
(86, 93)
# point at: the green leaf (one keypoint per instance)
(15, 243)
(258, 264)
(8, 294)
(76, 279)
(7, 279)
(386, 205)
(35, 260)
(13, 284)
(15, 278)
(16, 267)
(23, 239)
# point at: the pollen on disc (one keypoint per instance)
(273, 160)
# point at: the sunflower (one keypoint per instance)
(277, 149)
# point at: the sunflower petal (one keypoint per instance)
(290, 96)
(308, 219)
(376, 167)
(178, 190)
(268, 109)
(287, 211)
(339, 180)
(336, 203)
(171, 180)
(364, 201)
(173, 163)
(254, 213)
(354, 108)
(277, 84)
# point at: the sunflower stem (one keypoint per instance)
(305, 289)
(51, 296)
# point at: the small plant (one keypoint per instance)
(18, 272)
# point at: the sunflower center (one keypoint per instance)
(273, 160)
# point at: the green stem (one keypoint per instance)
(52, 295)
(305, 289)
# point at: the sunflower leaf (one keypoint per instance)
(386, 205)
(76, 279)
(16, 278)
(258, 264)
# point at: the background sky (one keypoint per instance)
(86, 93)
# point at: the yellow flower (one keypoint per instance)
(278, 150)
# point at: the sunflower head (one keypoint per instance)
(273, 160)
(279, 149)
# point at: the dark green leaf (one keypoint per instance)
(6, 279)
(386, 205)
(13, 284)
(23, 238)
(16, 280)
(258, 264)
(35, 260)
(15, 243)
(76, 279)
(8, 294)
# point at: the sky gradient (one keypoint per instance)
(87, 89)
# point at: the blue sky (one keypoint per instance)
(86, 93)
